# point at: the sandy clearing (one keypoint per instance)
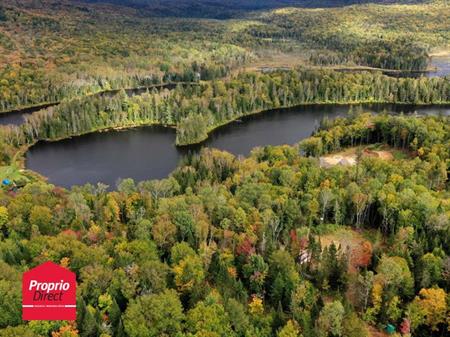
(350, 157)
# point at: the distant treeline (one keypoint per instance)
(388, 37)
(15, 94)
(231, 8)
(398, 54)
(43, 61)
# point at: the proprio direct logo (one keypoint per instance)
(49, 293)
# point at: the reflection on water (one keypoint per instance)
(442, 65)
(150, 152)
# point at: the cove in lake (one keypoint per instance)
(15, 117)
(439, 64)
(150, 152)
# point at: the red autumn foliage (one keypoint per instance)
(405, 327)
(297, 244)
(70, 232)
(58, 192)
(245, 248)
(362, 255)
(92, 237)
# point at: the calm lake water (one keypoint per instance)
(442, 63)
(15, 117)
(150, 152)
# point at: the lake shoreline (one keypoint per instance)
(351, 104)
(339, 68)
(153, 145)
(215, 127)
(45, 105)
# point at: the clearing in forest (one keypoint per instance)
(349, 157)
(353, 243)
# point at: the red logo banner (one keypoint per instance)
(49, 293)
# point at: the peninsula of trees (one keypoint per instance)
(286, 242)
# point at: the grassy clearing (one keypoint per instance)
(13, 173)
(343, 236)
(349, 157)
(358, 245)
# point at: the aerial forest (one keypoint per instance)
(196, 109)
(343, 233)
(269, 245)
(137, 47)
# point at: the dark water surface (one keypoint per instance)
(15, 117)
(150, 152)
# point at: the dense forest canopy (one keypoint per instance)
(103, 46)
(269, 245)
(378, 36)
(344, 234)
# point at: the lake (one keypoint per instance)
(150, 152)
(442, 64)
(15, 117)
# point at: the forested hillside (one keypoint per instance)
(53, 50)
(345, 233)
(231, 8)
(377, 36)
(269, 245)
